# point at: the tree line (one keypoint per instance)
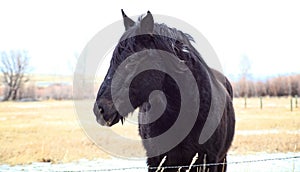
(276, 87)
(15, 82)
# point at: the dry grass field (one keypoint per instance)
(271, 129)
(49, 131)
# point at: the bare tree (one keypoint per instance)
(245, 66)
(14, 66)
(261, 88)
(72, 62)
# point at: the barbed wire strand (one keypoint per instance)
(199, 165)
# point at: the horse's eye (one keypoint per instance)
(129, 65)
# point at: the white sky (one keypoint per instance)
(267, 32)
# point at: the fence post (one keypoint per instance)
(296, 101)
(261, 102)
(291, 104)
(245, 103)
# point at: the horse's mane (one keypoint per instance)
(166, 38)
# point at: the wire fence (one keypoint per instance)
(199, 165)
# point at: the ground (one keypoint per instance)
(46, 131)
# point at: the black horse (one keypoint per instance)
(145, 39)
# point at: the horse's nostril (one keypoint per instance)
(101, 110)
(98, 110)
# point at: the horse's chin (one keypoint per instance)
(112, 121)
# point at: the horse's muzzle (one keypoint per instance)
(104, 116)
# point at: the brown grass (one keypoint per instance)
(275, 116)
(49, 131)
(42, 131)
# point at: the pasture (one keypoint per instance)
(48, 131)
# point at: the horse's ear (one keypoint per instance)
(127, 21)
(147, 23)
